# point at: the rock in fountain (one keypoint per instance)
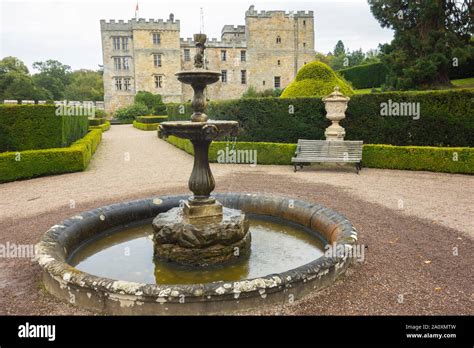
(200, 232)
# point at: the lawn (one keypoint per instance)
(462, 83)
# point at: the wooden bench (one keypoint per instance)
(322, 151)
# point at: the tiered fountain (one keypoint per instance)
(194, 255)
(201, 232)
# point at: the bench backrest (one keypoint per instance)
(347, 150)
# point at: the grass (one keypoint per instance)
(462, 83)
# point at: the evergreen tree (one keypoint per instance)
(430, 35)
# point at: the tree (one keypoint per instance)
(23, 87)
(53, 76)
(429, 36)
(356, 57)
(85, 85)
(339, 49)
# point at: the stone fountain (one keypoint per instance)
(84, 263)
(201, 231)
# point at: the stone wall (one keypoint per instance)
(266, 58)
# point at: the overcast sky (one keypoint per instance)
(69, 30)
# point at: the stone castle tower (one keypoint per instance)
(144, 55)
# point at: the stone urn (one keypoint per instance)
(335, 105)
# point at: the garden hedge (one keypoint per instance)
(103, 127)
(151, 119)
(267, 153)
(145, 126)
(365, 76)
(435, 159)
(374, 75)
(29, 127)
(96, 121)
(446, 118)
(33, 163)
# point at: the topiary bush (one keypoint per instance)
(316, 79)
(145, 126)
(27, 127)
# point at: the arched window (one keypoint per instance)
(278, 39)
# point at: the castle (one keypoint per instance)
(144, 55)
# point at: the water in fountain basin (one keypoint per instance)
(128, 255)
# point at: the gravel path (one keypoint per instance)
(410, 250)
(129, 161)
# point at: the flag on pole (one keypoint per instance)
(136, 11)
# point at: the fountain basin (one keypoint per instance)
(198, 76)
(115, 296)
(209, 130)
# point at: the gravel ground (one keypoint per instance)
(409, 251)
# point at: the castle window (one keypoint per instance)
(118, 84)
(263, 82)
(243, 77)
(187, 55)
(116, 43)
(126, 63)
(157, 60)
(125, 43)
(278, 39)
(277, 82)
(158, 81)
(118, 63)
(156, 38)
(243, 56)
(304, 44)
(223, 55)
(304, 23)
(126, 83)
(224, 76)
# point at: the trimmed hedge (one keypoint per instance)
(96, 121)
(103, 127)
(28, 127)
(316, 79)
(435, 159)
(445, 118)
(267, 153)
(365, 76)
(374, 75)
(151, 119)
(33, 163)
(145, 126)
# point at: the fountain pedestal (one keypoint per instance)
(201, 232)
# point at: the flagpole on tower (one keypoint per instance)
(201, 27)
(136, 11)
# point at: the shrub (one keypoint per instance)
(27, 127)
(179, 111)
(153, 102)
(129, 113)
(103, 127)
(267, 153)
(251, 92)
(145, 126)
(33, 163)
(151, 119)
(316, 79)
(435, 159)
(445, 118)
(99, 113)
(96, 121)
(365, 76)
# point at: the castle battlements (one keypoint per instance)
(212, 42)
(251, 12)
(140, 23)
